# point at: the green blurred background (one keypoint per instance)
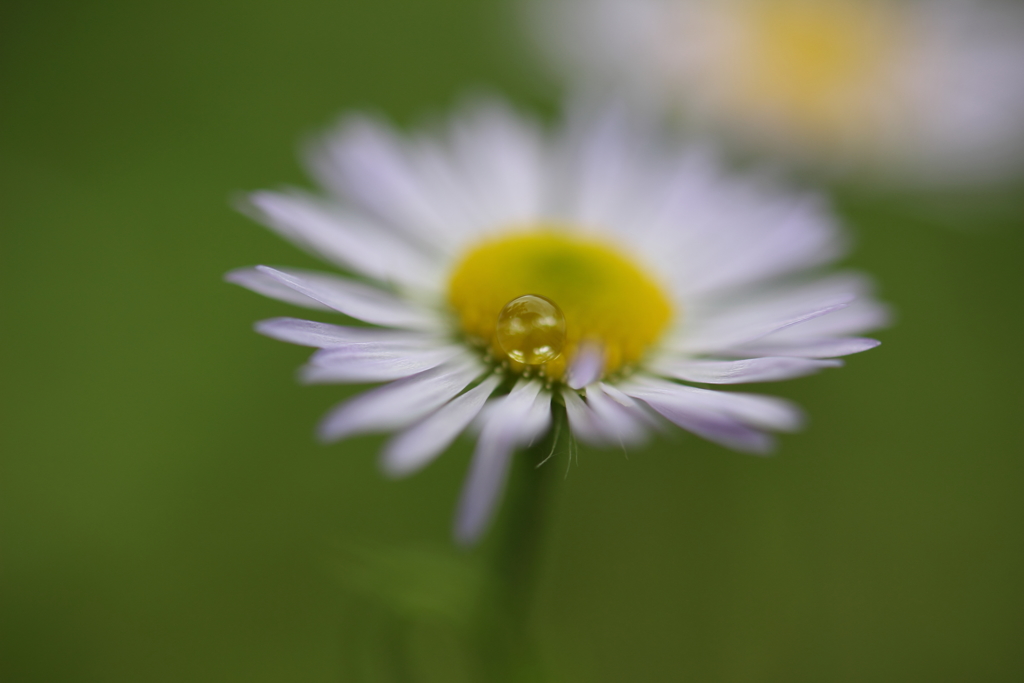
(166, 514)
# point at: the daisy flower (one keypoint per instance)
(931, 90)
(504, 272)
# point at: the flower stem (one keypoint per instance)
(508, 646)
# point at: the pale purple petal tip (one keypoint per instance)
(416, 447)
(507, 422)
(587, 366)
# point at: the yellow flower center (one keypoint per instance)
(811, 61)
(536, 298)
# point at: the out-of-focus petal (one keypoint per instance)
(766, 412)
(354, 299)
(257, 281)
(375, 362)
(399, 404)
(324, 335)
(344, 239)
(739, 371)
(507, 422)
(417, 446)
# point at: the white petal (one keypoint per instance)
(771, 236)
(399, 404)
(609, 161)
(587, 366)
(367, 163)
(739, 371)
(501, 156)
(538, 419)
(374, 362)
(342, 238)
(354, 299)
(345, 354)
(831, 306)
(421, 443)
(508, 422)
(261, 283)
(748, 325)
(705, 419)
(632, 406)
(681, 204)
(721, 429)
(808, 348)
(619, 423)
(863, 315)
(607, 418)
(767, 412)
(582, 420)
(323, 335)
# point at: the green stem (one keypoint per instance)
(508, 650)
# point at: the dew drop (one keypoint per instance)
(531, 330)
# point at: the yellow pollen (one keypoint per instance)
(532, 298)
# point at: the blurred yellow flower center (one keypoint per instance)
(808, 60)
(534, 297)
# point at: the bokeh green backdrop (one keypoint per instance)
(166, 514)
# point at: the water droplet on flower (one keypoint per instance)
(531, 330)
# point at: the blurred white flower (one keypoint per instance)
(929, 90)
(503, 268)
